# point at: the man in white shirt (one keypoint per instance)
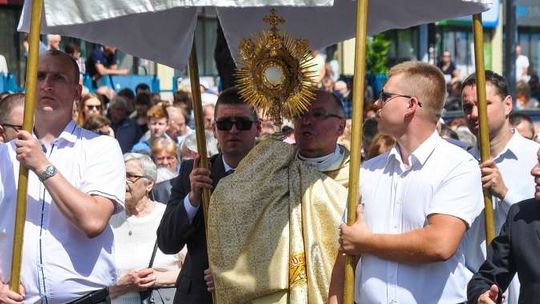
(522, 65)
(503, 175)
(76, 182)
(418, 201)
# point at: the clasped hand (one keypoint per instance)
(353, 239)
(199, 179)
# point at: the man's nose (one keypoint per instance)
(535, 171)
(474, 112)
(46, 82)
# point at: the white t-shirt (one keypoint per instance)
(134, 239)
(59, 262)
(522, 62)
(442, 178)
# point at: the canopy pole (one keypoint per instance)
(356, 140)
(199, 128)
(478, 32)
(28, 122)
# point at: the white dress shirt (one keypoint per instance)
(440, 179)
(59, 263)
(515, 163)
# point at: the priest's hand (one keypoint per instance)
(352, 239)
(492, 179)
(10, 297)
(490, 296)
(199, 179)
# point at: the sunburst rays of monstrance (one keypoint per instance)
(275, 72)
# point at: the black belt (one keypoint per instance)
(94, 297)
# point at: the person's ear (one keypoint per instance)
(214, 129)
(149, 186)
(508, 105)
(2, 132)
(258, 125)
(341, 126)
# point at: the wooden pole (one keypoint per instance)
(28, 122)
(199, 122)
(478, 32)
(199, 128)
(356, 140)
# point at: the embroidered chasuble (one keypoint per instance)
(273, 228)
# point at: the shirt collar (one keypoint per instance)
(421, 154)
(225, 165)
(68, 134)
(509, 151)
(325, 163)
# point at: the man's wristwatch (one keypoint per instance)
(49, 171)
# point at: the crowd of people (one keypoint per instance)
(115, 196)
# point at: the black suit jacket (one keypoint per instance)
(175, 231)
(515, 250)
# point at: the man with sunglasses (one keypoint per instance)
(272, 225)
(236, 126)
(417, 202)
(502, 175)
(76, 182)
(11, 116)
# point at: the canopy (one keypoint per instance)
(162, 30)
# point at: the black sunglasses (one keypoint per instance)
(384, 97)
(240, 124)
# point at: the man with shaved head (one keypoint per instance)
(76, 182)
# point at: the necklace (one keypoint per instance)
(129, 226)
(145, 212)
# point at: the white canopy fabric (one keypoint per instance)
(162, 30)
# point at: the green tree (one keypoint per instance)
(377, 55)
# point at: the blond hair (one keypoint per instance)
(424, 81)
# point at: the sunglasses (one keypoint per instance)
(95, 107)
(241, 124)
(385, 97)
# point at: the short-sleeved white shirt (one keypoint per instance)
(441, 179)
(60, 264)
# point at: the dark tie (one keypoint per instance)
(229, 172)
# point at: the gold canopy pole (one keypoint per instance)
(478, 32)
(356, 141)
(199, 127)
(29, 105)
(199, 122)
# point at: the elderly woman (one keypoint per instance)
(164, 154)
(135, 236)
